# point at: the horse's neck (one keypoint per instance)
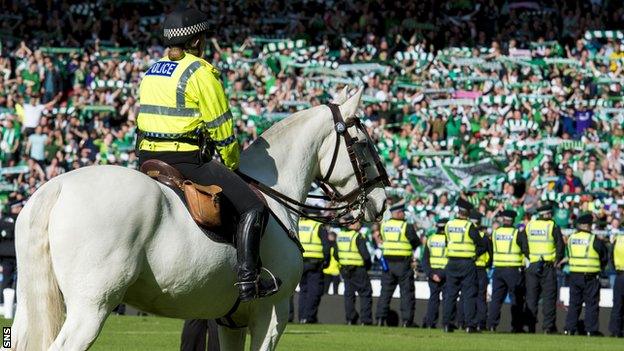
(285, 157)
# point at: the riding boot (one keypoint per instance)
(249, 232)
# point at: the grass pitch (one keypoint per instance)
(154, 333)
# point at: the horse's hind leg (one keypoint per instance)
(267, 323)
(82, 325)
(231, 339)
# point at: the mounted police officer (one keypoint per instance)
(464, 244)
(313, 237)
(617, 311)
(398, 240)
(587, 256)
(355, 261)
(546, 250)
(509, 252)
(434, 262)
(184, 114)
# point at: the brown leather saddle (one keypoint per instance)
(202, 201)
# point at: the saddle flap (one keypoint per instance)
(159, 169)
(203, 203)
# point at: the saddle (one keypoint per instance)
(203, 201)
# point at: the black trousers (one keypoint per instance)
(617, 312)
(507, 280)
(310, 289)
(480, 302)
(461, 275)
(331, 280)
(356, 279)
(584, 288)
(194, 335)
(541, 279)
(238, 193)
(399, 273)
(433, 304)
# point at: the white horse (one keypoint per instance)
(98, 236)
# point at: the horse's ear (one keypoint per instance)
(349, 108)
(342, 96)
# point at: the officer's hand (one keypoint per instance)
(436, 278)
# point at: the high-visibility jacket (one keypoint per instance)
(482, 260)
(334, 266)
(618, 253)
(178, 101)
(309, 238)
(348, 253)
(583, 257)
(437, 251)
(458, 241)
(394, 235)
(507, 252)
(541, 240)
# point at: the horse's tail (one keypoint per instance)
(40, 306)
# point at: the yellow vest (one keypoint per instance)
(618, 252)
(458, 242)
(437, 251)
(583, 257)
(482, 260)
(395, 243)
(180, 99)
(506, 251)
(541, 241)
(334, 266)
(309, 238)
(348, 254)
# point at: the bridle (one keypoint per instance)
(355, 199)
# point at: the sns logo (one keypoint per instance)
(6, 337)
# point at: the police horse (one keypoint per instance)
(98, 236)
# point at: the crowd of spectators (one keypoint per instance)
(514, 102)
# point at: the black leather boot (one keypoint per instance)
(248, 234)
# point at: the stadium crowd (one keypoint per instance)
(506, 105)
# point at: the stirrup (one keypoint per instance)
(262, 291)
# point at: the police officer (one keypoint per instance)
(483, 263)
(398, 239)
(184, 111)
(313, 237)
(587, 255)
(464, 244)
(617, 311)
(355, 261)
(546, 250)
(508, 278)
(434, 262)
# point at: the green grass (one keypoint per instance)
(153, 333)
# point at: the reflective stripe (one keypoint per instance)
(169, 111)
(188, 72)
(219, 120)
(169, 136)
(225, 142)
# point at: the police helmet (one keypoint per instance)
(182, 25)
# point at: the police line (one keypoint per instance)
(422, 292)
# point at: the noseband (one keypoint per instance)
(355, 199)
